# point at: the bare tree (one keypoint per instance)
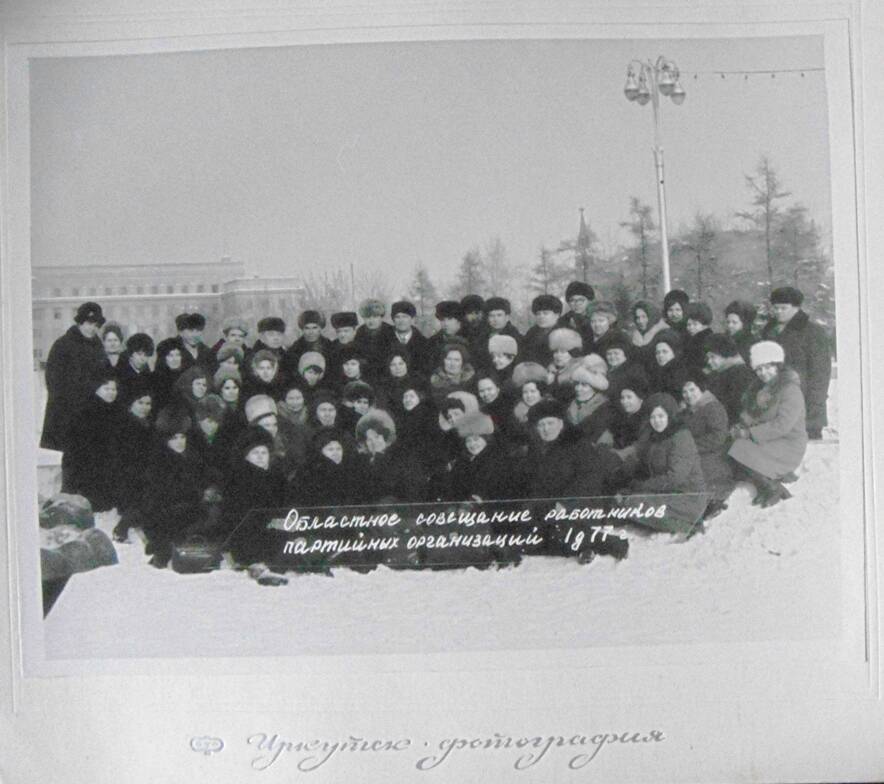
(698, 244)
(547, 274)
(422, 291)
(766, 193)
(641, 226)
(497, 269)
(470, 275)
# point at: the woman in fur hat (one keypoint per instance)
(630, 419)
(133, 447)
(739, 319)
(330, 475)
(619, 358)
(566, 346)
(399, 376)
(707, 420)
(482, 470)
(227, 384)
(729, 376)
(603, 323)
(647, 322)
(250, 486)
(590, 410)
(391, 473)
(176, 492)
(286, 456)
(271, 337)
(293, 409)
(562, 463)
(455, 373)
(669, 371)
(675, 304)
(89, 462)
(231, 357)
(357, 398)
(311, 368)
(698, 318)
(169, 367)
(666, 462)
(530, 379)
(502, 350)
(771, 437)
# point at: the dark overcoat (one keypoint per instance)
(708, 423)
(729, 386)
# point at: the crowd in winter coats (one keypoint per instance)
(184, 439)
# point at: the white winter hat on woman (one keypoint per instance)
(765, 352)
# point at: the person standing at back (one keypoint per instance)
(806, 346)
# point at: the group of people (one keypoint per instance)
(183, 438)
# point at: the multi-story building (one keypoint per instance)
(147, 299)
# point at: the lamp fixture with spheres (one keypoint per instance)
(647, 81)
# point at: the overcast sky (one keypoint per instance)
(391, 154)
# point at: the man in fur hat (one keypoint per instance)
(374, 338)
(190, 328)
(233, 332)
(311, 323)
(579, 296)
(407, 335)
(808, 352)
(72, 362)
(344, 323)
(271, 337)
(535, 347)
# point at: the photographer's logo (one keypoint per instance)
(206, 745)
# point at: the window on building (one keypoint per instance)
(170, 289)
(155, 289)
(56, 314)
(92, 291)
(185, 289)
(56, 292)
(107, 291)
(139, 290)
(124, 289)
(200, 288)
(75, 292)
(214, 288)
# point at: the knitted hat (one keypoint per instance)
(372, 307)
(676, 295)
(140, 341)
(356, 390)
(565, 339)
(344, 318)
(503, 344)
(89, 311)
(311, 359)
(475, 424)
(324, 436)
(592, 370)
(546, 302)
(465, 401)
(449, 308)
(190, 321)
(664, 401)
(166, 345)
(579, 288)
(67, 509)
(228, 350)
(113, 327)
(472, 303)
(264, 355)
(498, 303)
(744, 310)
(258, 407)
(529, 371)
(311, 317)
(765, 352)
(605, 308)
(403, 306)
(670, 337)
(222, 374)
(271, 324)
(632, 379)
(699, 311)
(234, 322)
(723, 345)
(379, 421)
(322, 396)
(184, 382)
(546, 407)
(252, 436)
(786, 295)
(171, 421)
(618, 340)
(210, 407)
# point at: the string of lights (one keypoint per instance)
(771, 72)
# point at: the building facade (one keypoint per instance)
(147, 299)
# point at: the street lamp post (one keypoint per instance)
(655, 79)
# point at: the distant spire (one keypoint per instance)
(583, 234)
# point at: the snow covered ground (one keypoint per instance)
(754, 575)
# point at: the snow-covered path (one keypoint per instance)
(753, 575)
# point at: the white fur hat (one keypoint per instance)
(565, 339)
(765, 352)
(591, 369)
(258, 407)
(503, 344)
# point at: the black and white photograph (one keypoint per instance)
(436, 273)
(509, 346)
